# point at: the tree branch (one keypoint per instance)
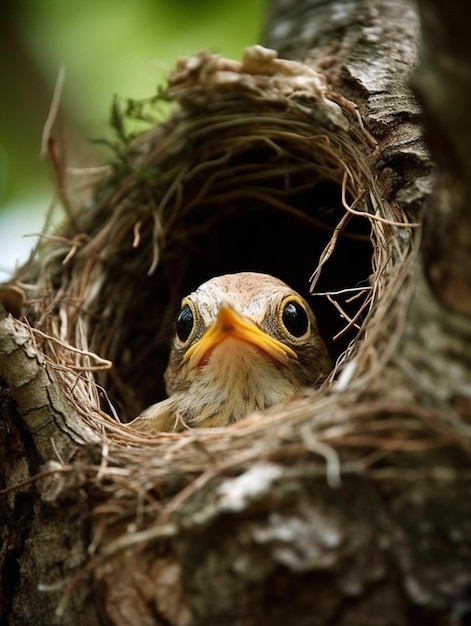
(43, 399)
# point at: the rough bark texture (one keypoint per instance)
(381, 549)
(44, 539)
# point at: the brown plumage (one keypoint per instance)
(243, 342)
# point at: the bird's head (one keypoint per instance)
(246, 325)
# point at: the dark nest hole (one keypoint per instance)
(251, 235)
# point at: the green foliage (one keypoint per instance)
(106, 48)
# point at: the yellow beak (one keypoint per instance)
(229, 323)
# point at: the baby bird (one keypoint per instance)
(244, 342)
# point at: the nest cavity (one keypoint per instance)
(256, 167)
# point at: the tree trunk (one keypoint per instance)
(350, 506)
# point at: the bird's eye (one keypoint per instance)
(294, 317)
(185, 322)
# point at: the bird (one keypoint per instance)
(244, 342)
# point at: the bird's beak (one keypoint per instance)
(230, 324)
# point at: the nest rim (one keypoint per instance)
(153, 169)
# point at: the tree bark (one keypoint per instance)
(286, 539)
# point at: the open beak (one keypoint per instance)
(230, 324)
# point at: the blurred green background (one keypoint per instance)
(107, 47)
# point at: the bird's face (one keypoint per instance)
(243, 342)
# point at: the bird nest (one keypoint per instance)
(258, 166)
